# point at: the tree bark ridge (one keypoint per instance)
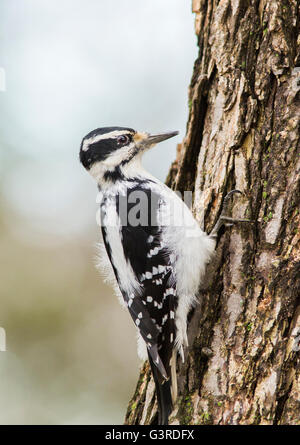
(242, 132)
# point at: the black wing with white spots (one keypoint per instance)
(153, 308)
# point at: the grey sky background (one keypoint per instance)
(72, 66)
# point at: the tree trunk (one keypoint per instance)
(243, 133)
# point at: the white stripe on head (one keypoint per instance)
(115, 159)
(98, 137)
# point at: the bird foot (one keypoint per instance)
(225, 220)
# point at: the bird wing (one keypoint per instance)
(152, 308)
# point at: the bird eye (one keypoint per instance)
(123, 140)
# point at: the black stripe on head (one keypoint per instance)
(101, 131)
(97, 151)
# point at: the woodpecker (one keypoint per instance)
(156, 249)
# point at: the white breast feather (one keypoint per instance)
(193, 249)
(103, 264)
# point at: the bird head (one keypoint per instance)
(107, 151)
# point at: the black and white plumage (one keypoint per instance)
(155, 246)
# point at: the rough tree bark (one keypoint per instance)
(242, 132)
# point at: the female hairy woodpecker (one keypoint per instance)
(156, 248)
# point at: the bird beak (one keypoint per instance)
(146, 140)
(153, 139)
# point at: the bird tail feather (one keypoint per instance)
(163, 392)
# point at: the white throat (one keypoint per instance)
(106, 175)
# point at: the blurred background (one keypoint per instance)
(67, 67)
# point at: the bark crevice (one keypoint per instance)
(243, 364)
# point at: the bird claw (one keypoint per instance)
(228, 221)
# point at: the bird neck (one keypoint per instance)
(127, 171)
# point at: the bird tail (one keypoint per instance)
(166, 389)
